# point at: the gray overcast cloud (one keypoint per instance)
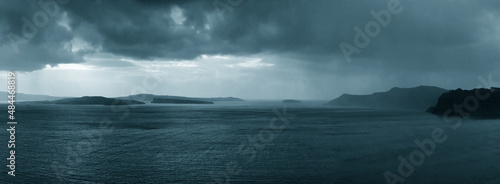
(446, 43)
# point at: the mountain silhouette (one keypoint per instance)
(179, 101)
(150, 98)
(291, 101)
(21, 97)
(475, 103)
(418, 98)
(94, 100)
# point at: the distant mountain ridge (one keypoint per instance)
(144, 98)
(417, 98)
(179, 101)
(290, 101)
(89, 100)
(28, 97)
(150, 97)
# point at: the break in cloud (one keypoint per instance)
(284, 48)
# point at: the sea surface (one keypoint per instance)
(244, 142)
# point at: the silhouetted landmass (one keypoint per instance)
(291, 101)
(21, 97)
(94, 100)
(179, 101)
(418, 98)
(97, 100)
(150, 97)
(475, 103)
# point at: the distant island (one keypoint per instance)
(291, 101)
(127, 100)
(475, 103)
(179, 101)
(21, 97)
(92, 100)
(149, 98)
(418, 98)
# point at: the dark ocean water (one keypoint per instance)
(233, 142)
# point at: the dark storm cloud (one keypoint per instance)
(41, 48)
(426, 35)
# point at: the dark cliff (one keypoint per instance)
(475, 103)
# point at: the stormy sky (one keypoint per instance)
(250, 49)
